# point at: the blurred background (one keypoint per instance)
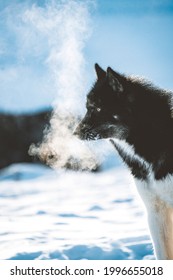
(48, 49)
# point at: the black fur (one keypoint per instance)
(135, 111)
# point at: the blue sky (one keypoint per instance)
(134, 37)
(135, 7)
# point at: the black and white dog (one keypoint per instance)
(138, 120)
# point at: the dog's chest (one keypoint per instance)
(150, 189)
(156, 192)
(157, 196)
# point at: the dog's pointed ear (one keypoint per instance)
(114, 81)
(101, 74)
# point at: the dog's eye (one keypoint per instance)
(98, 109)
(115, 117)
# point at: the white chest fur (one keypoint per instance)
(157, 196)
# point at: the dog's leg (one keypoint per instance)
(161, 227)
(160, 219)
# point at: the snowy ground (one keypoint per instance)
(71, 215)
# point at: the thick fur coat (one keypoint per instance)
(137, 118)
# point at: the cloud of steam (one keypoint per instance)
(66, 26)
(23, 52)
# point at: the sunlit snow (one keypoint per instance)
(71, 215)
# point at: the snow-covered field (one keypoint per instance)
(71, 215)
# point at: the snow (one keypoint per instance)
(62, 214)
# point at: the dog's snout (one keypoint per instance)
(81, 130)
(76, 132)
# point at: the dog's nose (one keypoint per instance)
(80, 131)
(76, 131)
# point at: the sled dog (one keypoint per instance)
(137, 117)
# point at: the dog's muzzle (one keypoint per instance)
(81, 131)
(85, 132)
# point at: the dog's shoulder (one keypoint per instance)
(151, 189)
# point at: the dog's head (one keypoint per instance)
(107, 111)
